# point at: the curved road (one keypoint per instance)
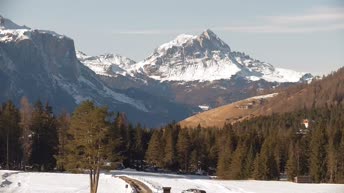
(138, 185)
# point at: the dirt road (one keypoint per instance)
(139, 186)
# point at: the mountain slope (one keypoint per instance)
(237, 111)
(320, 93)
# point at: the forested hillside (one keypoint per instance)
(321, 92)
(326, 91)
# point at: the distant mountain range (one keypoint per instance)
(173, 83)
(193, 58)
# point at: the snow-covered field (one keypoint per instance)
(35, 182)
(183, 182)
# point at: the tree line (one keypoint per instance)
(93, 138)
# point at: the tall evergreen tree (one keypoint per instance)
(26, 111)
(9, 126)
(138, 147)
(183, 149)
(238, 163)
(87, 148)
(170, 148)
(154, 152)
(44, 140)
(63, 123)
(268, 165)
(318, 166)
(340, 158)
(258, 168)
(291, 166)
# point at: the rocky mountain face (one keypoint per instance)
(199, 71)
(43, 65)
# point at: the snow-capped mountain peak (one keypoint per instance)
(190, 58)
(107, 64)
(206, 58)
(210, 40)
(178, 41)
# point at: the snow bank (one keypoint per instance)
(35, 182)
(183, 182)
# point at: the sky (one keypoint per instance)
(303, 35)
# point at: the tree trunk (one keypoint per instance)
(94, 179)
(91, 181)
(7, 151)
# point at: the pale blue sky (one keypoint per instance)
(305, 35)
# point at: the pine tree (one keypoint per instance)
(226, 146)
(154, 152)
(44, 140)
(194, 161)
(63, 123)
(268, 164)
(9, 122)
(318, 154)
(138, 147)
(237, 163)
(331, 162)
(170, 148)
(87, 148)
(291, 166)
(183, 150)
(258, 168)
(340, 158)
(249, 163)
(26, 111)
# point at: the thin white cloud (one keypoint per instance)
(314, 20)
(139, 32)
(316, 15)
(155, 31)
(281, 28)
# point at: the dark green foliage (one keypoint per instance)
(291, 166)
(10, 132)
(170, 139)
(183, 149)
(154, 152)
(44, 137)
(318, 155)
(63, 122)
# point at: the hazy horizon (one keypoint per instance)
(304, 36)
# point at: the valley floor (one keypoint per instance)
(35, 182)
